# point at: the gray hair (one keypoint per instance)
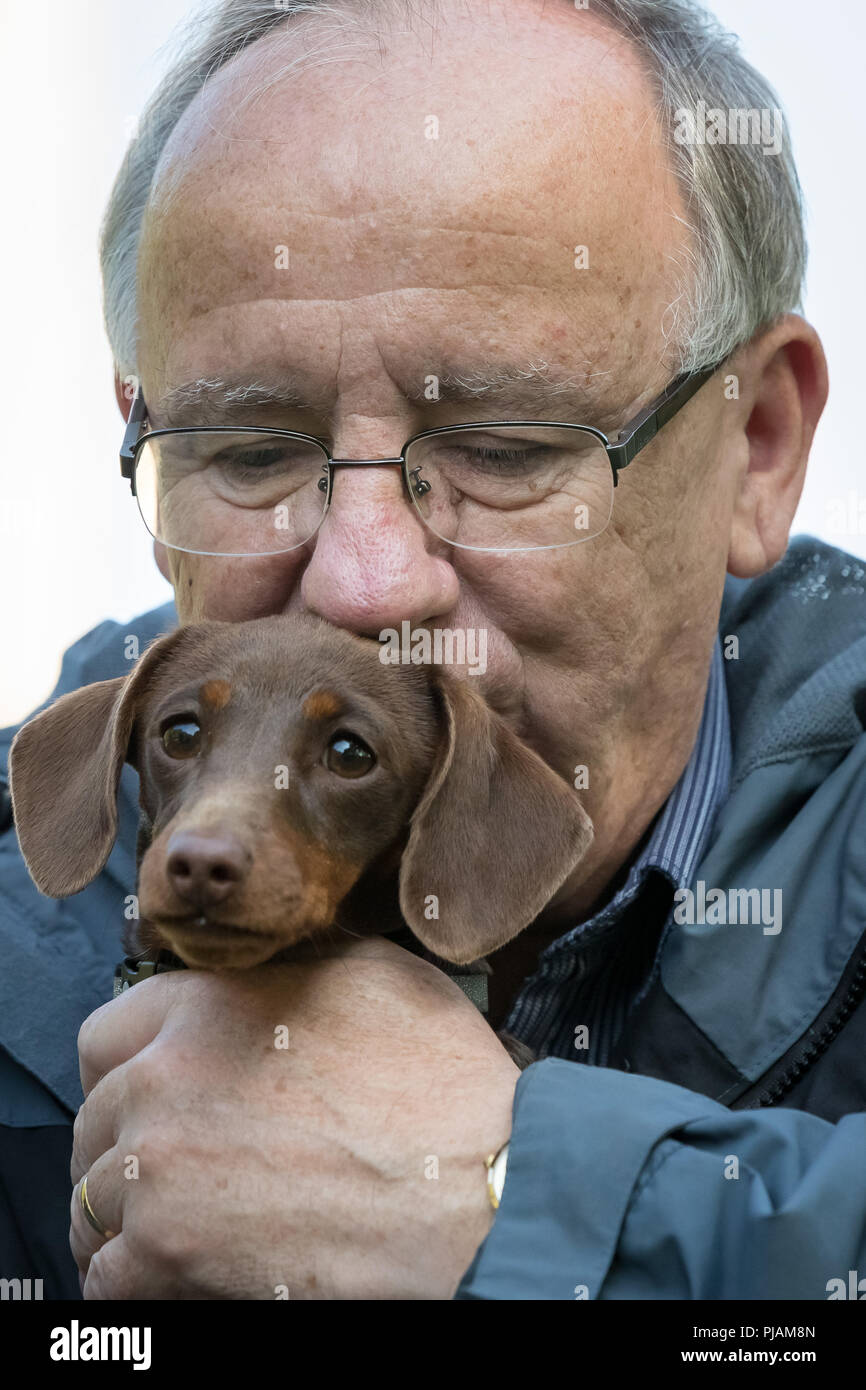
(747, 255)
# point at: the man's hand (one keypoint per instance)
(346, 1165)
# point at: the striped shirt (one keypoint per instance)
(590, 977)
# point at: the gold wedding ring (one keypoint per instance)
(91, 1214)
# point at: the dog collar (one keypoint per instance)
(130, 970)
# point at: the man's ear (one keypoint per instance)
(783, 374)
(494, 836)
(64, 767)
(124, 390)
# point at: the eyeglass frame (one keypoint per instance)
(630, 440)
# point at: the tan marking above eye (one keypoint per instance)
(215, 694)
(322, 704)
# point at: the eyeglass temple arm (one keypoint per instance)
(137, 413)
(645, 426)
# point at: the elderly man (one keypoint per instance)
(360, 226)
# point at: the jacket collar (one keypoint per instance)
(794, 824)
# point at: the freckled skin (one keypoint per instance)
(406, 252)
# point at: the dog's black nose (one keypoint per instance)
(205, 869)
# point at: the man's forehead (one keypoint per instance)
(538, 147)
(482, 63)
(507, 106)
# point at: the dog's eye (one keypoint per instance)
(349, 756)
(182, 739)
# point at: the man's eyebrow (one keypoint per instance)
(214, 401)
(532, 391)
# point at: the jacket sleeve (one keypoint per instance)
(620, 1186)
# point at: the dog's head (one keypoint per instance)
(279, 761)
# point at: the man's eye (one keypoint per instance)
(507, 460)
(252, 460)
(182, 738)
(348, 756)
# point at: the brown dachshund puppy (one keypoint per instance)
(291, 784)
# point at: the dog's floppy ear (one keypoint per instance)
(493, 837)
(64, 767)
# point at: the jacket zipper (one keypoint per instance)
(815, 1048)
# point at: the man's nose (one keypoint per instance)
(375, 564)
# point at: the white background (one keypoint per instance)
(77, 73)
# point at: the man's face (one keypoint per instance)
(412, 257)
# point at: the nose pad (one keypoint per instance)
(205, 869)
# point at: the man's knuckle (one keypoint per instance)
(110, 1274)
(78, 1130)
(145, 1076)
(86, 1034)
(155, 1152)
(167, 1245)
